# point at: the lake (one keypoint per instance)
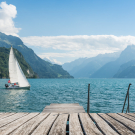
(106, 95)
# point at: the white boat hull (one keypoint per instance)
(19, 88)
(16, 87)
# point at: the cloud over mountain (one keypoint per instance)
(78, 42)
(79, 45)
(7, 14)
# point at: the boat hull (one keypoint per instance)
(19, 88)
(16, 87)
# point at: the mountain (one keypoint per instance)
(4, 58)
(43, 68)
(48, 60)
(126, 70)
(70, 65)
(111, 68)
(85, 67)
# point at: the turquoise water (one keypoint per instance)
(106, 95)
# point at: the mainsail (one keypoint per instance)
(15, 72)
(12, 67)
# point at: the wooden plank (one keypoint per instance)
(59, 126)
(88, 125)
(11, 118)
(131, 114)
(7, 129)
(64, 108)
(72, 107)
(73, 104)
(103, 125)
(45, 126)
(4, 115)
(28, 127)
(74, 125)
(117, 125)
(127, 116)
(62, 111)
(1, 113)
(123, 120)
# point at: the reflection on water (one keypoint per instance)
(106, 95)
(11, 100)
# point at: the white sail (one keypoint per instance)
(22, 81)
(15, 72)
(12, 67)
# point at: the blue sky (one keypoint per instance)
(64, 30)
(74, 17)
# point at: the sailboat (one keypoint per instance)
(16, 75)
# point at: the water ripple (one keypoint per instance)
(106, 95)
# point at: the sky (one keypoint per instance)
(65, 30)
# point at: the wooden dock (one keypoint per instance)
(64, 108)
(67, 124)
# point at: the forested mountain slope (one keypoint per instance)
(43, 68)
(4, 59)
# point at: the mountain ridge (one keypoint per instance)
(84, 67)
(111, 68)
(113, 65)
(126, 70)
(43, 68)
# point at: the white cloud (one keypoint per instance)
(79, 45)
(74, 54)
(70, 56)
(56, 61)
(7, 14)
(81, 42)
(50, 59)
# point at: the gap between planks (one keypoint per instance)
(55, 124)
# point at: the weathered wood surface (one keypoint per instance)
(60, 110)
(59, 127)
(1, 113)
(74, 125)
(45, 126)
(64, 108)
(127, 116)
(67, 124)
(103, 125)
(130, 124)
(88, 125)
(72, 104)
(9, 128)
(120, 128)
(28, 127)
(11, 118)
(131, 114)
(4, 115)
